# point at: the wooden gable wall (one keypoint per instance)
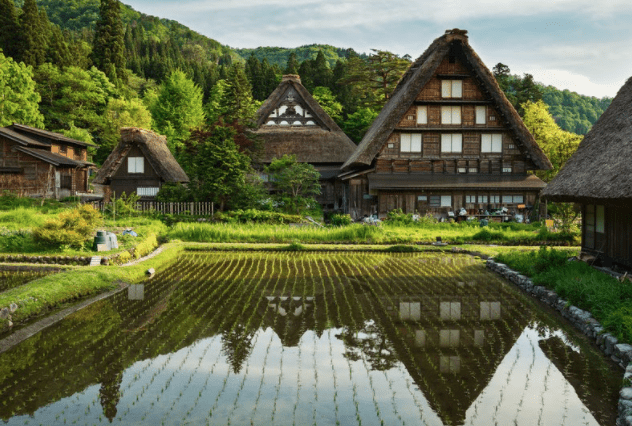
(431, 159)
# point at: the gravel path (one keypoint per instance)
(144, 258)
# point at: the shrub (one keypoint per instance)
(340, 219)
(398, 217)
(72, 229)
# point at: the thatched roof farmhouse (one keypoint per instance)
(599, 177)
(140, 163)
(447, 139)
(292, 122)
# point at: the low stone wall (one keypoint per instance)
(621, 353)
(45, 260)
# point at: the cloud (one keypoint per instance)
(563, 79)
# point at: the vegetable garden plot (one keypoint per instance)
(311, 338)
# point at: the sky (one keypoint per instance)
(580, 45)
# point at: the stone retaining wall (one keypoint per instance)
(45, 260)
(620, 353)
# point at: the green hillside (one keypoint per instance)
(279, 55)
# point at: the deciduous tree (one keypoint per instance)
(177, 109)
(18, 96)
(557, 144)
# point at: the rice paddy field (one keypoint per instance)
(296, 338)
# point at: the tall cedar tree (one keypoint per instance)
(9, 29)
(292, 64)
(108, 45)
(237, 103)
(33, 32)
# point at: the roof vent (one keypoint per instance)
(294, 77)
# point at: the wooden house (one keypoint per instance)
(39, 163)
(447, 139)
(140, 163)
(599, 177)
(292, 122)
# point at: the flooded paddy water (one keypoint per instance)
(311, 338)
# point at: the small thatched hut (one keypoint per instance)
(292, 122)
(599, 177)
(447, 139)
(147, 164)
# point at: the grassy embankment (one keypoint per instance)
(54, 291)
(454, 233)
(608, 299)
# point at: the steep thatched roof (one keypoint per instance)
(601, 169)
(153, 147)
(324, 142)
(414, 80)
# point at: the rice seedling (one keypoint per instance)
(308, 338)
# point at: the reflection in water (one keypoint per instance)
(310, 339)
(136, 292)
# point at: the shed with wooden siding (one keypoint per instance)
(39, 163)
(599, 177)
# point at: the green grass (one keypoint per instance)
(608, 299)
(45, 294)
(511, 234)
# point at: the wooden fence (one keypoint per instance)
(195, 209)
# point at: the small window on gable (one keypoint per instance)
(451, 142)
(481, 114)
(450, 115)
(451, 88)
(135, 165)
(422, 114)
(410, 117)
(391, 145)
(63, 149)
(491, 142)
(492, 118)
(410, 142)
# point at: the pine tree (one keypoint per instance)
(33, 35)
(238, 102)
(9, 28)
(292, 64)
(322, 75)
(108, 45)
(57, 51)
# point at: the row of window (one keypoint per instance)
(449, 311)
(446, 200)
(451, 115)
(450, 142)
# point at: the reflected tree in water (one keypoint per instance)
(371, 341)
(237, 345)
